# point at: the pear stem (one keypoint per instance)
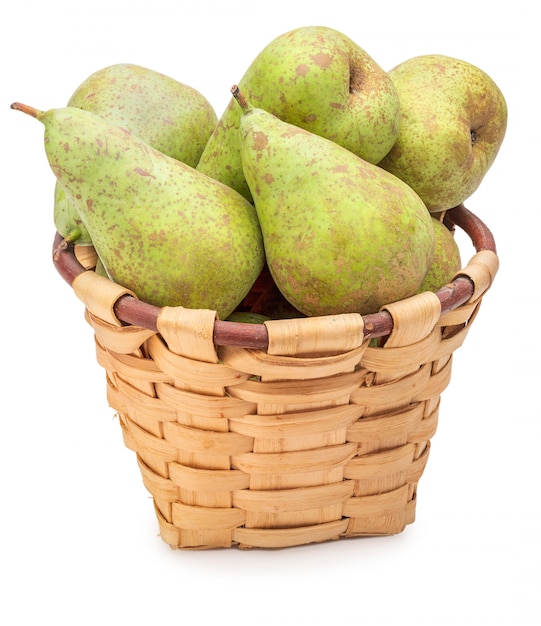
(26, 108)
(240, 98)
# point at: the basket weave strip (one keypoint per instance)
(99, 295)
(331, 334)
(189, 371)
(189, 332)
(86, 255)
(322, 436)
(269, 367)
(413, 319)
(481, 270)
(127, 342)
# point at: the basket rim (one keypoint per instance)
(132, 311)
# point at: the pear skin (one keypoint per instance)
(341, 235)
(173, 235)
(165, 113)
(447, 260)
(169, 115)
(247, 317)
(67, 219)
(453, 123)
(319, 79)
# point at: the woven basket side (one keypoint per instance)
(247, 451)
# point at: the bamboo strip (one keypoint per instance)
(273, 367)
(121, 339)
(198, 517)
(288, 500)
(221, 407)
(399, 358)
(99, 295)
(376, 505)
(293, 462)
(287, 537)
(293, 392)
(413, 319)
(393, 424)
(378, 464)
(481, 270)
(295, 424)
(393, 394)
(196, 479)
(331, 334)
(210, 442)
(189, 332)
(86, 255)
(190, 371)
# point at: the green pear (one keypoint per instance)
(100, 268)
(247, 317)
(169, 115)
(341, 235)
(173, 235)
(446, 262)
(66, 218)
(316, 78)
(453, 122)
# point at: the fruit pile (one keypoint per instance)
(325, 173)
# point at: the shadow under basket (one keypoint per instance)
(290, 432)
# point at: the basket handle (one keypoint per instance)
(131, 311)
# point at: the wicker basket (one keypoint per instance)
(285, 433)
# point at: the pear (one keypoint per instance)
(67, 220)
(341, 234)
(453, 122)
(169, 115)
(319, 79)
(173, 235)
(100, 268)
(247, 317)
(447, 260)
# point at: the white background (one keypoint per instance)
(79, 540)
